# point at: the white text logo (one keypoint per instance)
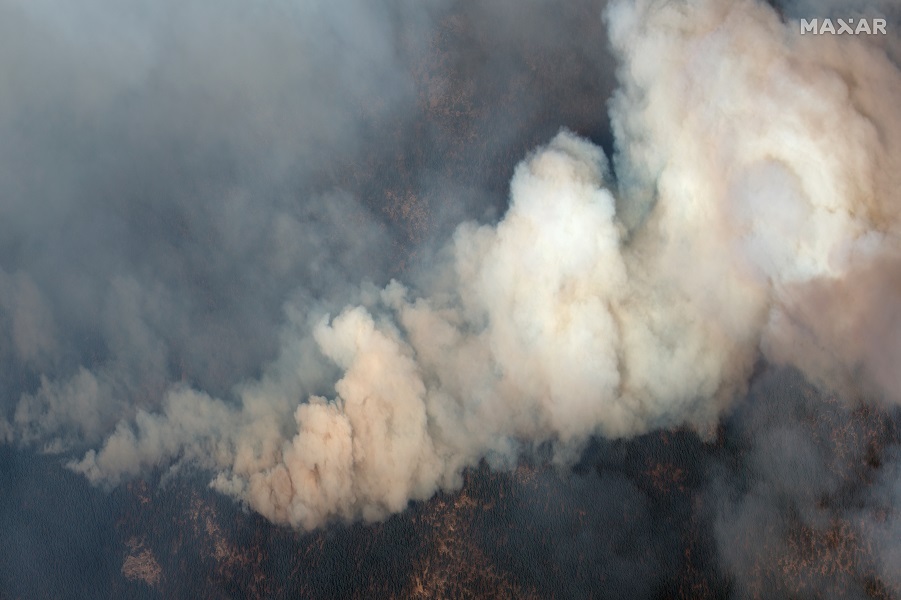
(843, 26)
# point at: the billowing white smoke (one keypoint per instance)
(756, 174)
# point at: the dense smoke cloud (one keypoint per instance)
(552, 326)
(748, 213)
(143, 174)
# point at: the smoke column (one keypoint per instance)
(755, 171)
(748, 213)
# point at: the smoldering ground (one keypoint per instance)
(208, 215)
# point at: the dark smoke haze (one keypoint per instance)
(492, 298)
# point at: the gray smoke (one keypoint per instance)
(804, 502)
(171, 303)
(553, 326)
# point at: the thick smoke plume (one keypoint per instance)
(752, 210)
(747, 215)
